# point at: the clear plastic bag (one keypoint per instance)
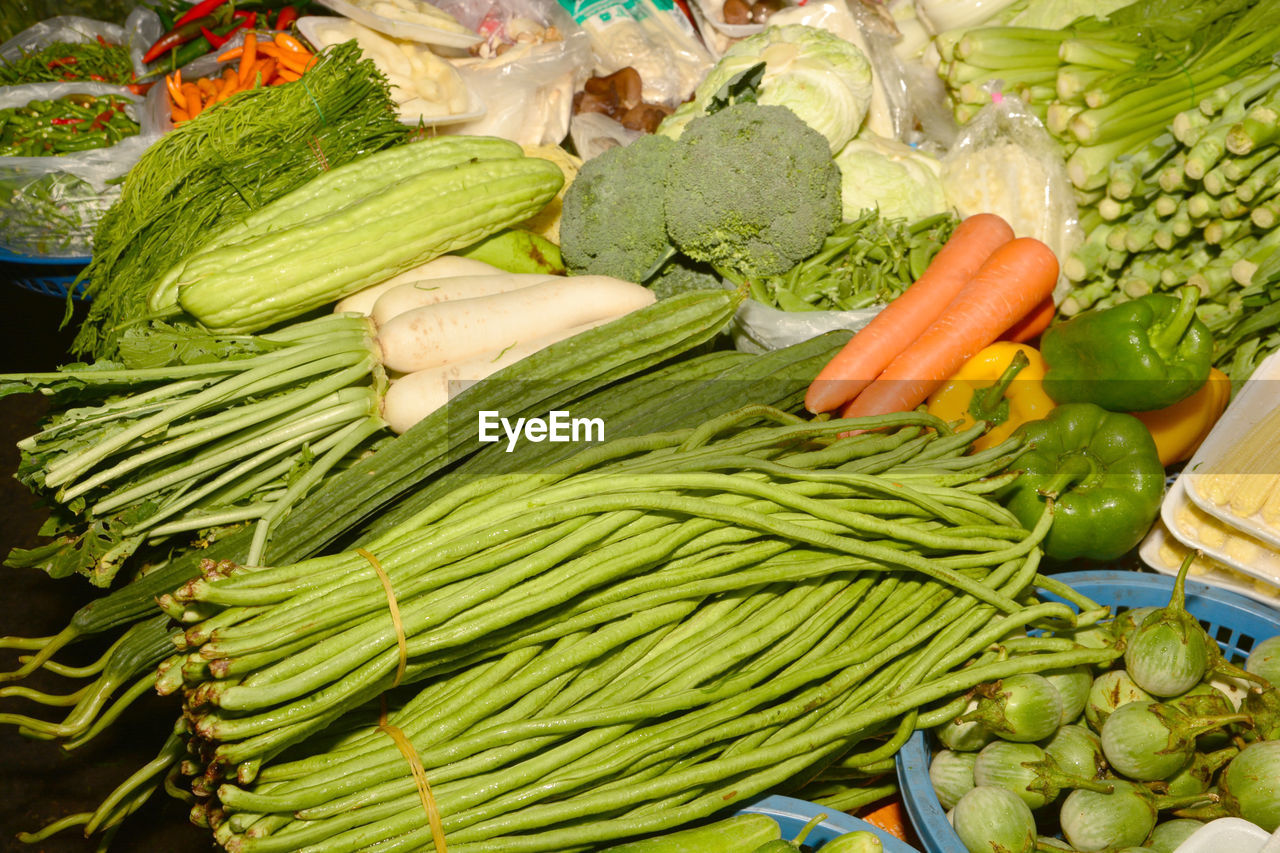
(140, 29)
(652, 36)
(50, 205)
(535, 56)
(759, 328)
(1005, 162)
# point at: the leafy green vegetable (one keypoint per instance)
(822, 78)
(885, 175)
(867, 261)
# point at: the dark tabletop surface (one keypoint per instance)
(40, 782)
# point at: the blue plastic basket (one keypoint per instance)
(1236, 622)
(44, 274)
(792, 814)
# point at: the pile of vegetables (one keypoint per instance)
(383, 628)
(99, 61)
(78, 122)
(681, 620)
(203, 177)
(283, 59)
(1165, 114)
(1138, 754)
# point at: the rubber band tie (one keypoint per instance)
(394, 732)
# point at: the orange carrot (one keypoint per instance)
(1030, 326)
(207, 88)
(191, 94)
(295, 62)
(903, 319)
(288, 74)
(266, 71)
(289, 43)
(234, 53)
(889, 817)
(1012, 281)
(247, 59)
(173, 82)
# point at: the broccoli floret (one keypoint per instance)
(752, 189)
(681, 275)
(612, 222)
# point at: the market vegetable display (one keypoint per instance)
(417, 472)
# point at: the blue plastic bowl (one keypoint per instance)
(44, 274)
(792, 814)
(1236, 622)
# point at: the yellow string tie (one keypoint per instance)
(397, 736)
(394, 607)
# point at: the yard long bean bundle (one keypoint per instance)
(210, 172)
(632, 638)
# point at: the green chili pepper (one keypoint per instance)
(1102, 471)
(1141, 355)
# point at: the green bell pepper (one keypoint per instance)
(1103, 471)
(1140, 355)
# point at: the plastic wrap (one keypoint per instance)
(533, 59)
(426, 87)
(759, 328)
(652, 36)
(140, 29)
(50, 205)
(1005, 162)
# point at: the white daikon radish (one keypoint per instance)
(428, 291)
(412, 397)
(454, 331)
(442, 267)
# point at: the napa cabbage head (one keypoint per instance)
(822, 78)
(902, 182)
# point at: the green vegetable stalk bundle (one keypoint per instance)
(211, 172)
(1106, 87)
(632, 639)
(1197, 205)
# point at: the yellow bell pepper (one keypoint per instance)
(1002, 384)
(1181, 428)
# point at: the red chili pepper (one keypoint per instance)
(216, 41)
(198, 11)
(285, 19)
(65, 120)
(98, 77)
(179, 35)
(61, 61)
(103, 42)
